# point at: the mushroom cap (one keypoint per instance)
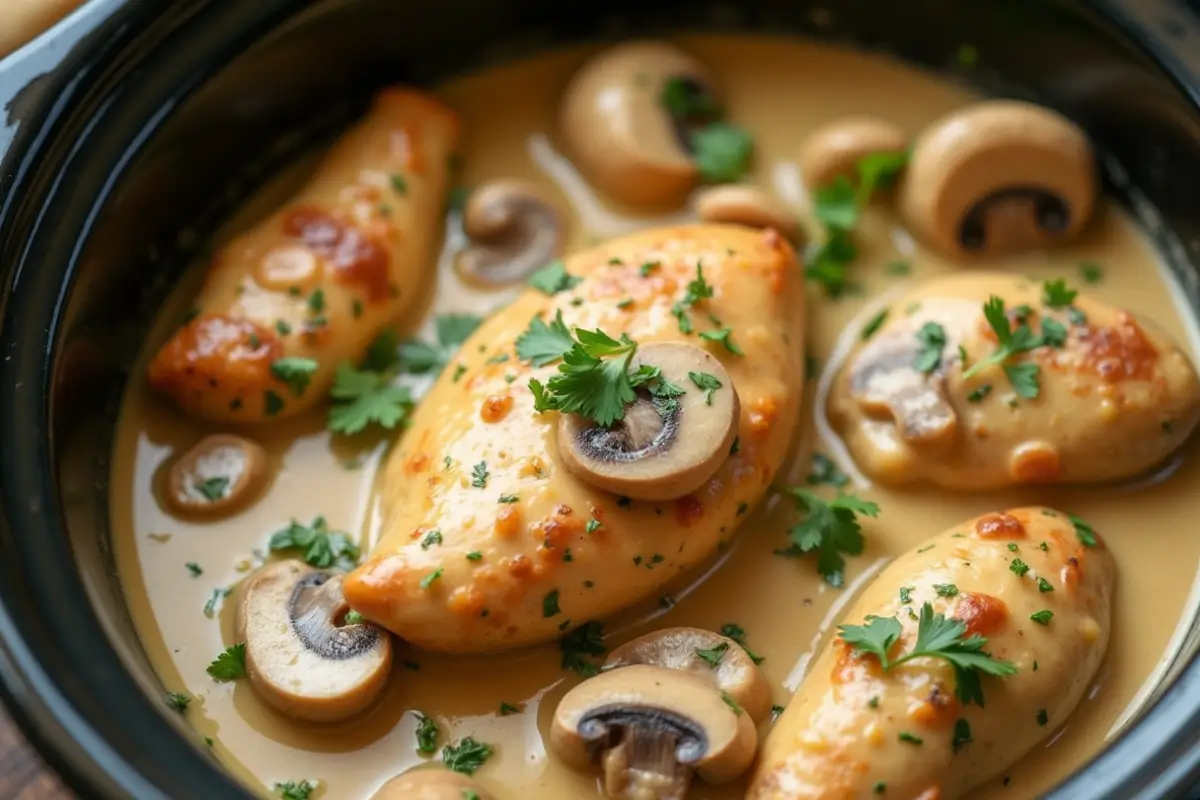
(999, 177)
(835, 148)
(617, 131)
(434, 783)
(655, 454)
(515, 228)
(218, 476)
(736, 674)
(740, 204)
(709, 735)
(300, 658)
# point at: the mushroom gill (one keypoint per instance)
(514, 228)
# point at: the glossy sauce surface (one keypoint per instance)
(784, 606)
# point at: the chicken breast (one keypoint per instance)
(1036, 583)
(525, 549)
(312, 284)
(1086, 394)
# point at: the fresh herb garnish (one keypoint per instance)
(467, 756)
(1056, 294)
(977, 395)
(1018, 567)
(1023, 377)
(295, 790)
(945, 589)
(932, 338)
(830, 529)
(554, 278)
(722, 152)
(1084, 532)
(550, 604)
(825, 471)
(1042, 617)
(178, 701)
(508, 709)
(212, 489)
(937, 637)
(428, 580)
(724, 336)
(586, 640)
(738, 634)
(195, 569)
(479, 475)
(1091, 271)
(430, 539)
(296, 372)
(451, 330)
(323, 548)
(365, 397)
(911, 738)
(712, 655)
(733, 704)
(427, 734)
(353, 618)
(706, 383)
(962, 735)
(874, 324)
(593, 379)
(230, 664)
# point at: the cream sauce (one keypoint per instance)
(786, 609)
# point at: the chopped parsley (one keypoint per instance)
(977, 395)
(353, 618)
(697, 290)
(366, 397)
(586, 640)
(738, 634)
(712, 655)
(194, 568)
(722, 152)
(830, 529)
(550, 604)
(1091, 272)
(479, 475)
(214, 600)
(316, 301)
(508, 709)
(1023, 377)
(508, 499)
(1084, 532)
(212, 489)
(296, 372)
(467, 756)
(430, 539)
(1044, 585)
(945, 589)
(474, 555)
(554, 278)
(733, 704)
(230, 664)
(1042, 617)
(1056, 294)
(905, 736)
(428, 580)
(932, 338)
(427, 734)
(825, 471)
(543, 343)
(178, 701)
(706, 383)
(1018, 567)
(295, 790)
(937, 637)
(1042, 718)
(874, 324)
(724, 336)
(322, 548)
(593, 525)
(451, 330)
(962, 735)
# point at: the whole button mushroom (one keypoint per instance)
(301, 656)
(619, 132)
(835, 149)
(713, 658)
(515, 228)
(650, 729)
(746, 205)
(219, 476)
(661, 449)
(998, 177)
(432, 784)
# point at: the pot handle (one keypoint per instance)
(28, 76)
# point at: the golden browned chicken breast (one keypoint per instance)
(1034, 583)
(987, 380)
(312, 284)
(505, 526)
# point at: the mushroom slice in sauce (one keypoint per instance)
(834, 149)
(618, 130)
(301, 656)
(514, 227)
(999, 177)
(650, 728)
(663, 448)
(746, 205)
(432, 784)
(220, 475)
(709, 656)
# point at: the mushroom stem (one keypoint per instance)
(644, 766)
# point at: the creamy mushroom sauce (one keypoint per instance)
(780, 90)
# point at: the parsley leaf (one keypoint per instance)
(362, 398)
(178, 701)
(706, 383)
(451, 330)
(550, 604)
(295, 372)
(937, 637)
(825, 471)
(322, 547)
(479, 475)
(932, 338)
(230, 664)
(586, 640)
(724, 336)
(722, 152)
(738, 634)
(554, 278)
(427, 734)
(467, 756)
(593, 379)
(212, 489)
(829, 529)
(712, 655)
(874, 324)
(1056, 294)
(1023, 377)
(543, 344)
(1091, 271)
(295, 790)
(1084, 532)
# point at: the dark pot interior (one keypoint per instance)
(149, 124)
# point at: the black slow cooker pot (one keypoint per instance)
(131, 131)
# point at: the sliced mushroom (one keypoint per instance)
(746, 205)
(663, 448)
(301, 656)
(515, 228)
(220, 475)
(618, 130)
(885, 380)
(432, 784)
(709, 656)
(650, 728)
(999, 177)
(834, 149)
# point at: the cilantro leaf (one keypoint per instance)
(722, 152)
(932, 338)
(543, 344)
(1056, 294)
(296, 372)
(230, 664)
(467, 756)
(829, 529)
(362, 398)
(322, 547)
(554, 278)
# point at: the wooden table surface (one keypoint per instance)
(23, 775)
